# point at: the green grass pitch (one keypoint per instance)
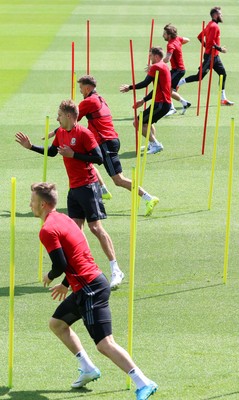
(185, 319)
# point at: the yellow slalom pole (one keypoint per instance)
(138, 160)
(44, 180)
(133, 223)
(229, 201)
(149, 128)
(215, 143)
(12, 280)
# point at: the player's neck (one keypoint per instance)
(45, 213)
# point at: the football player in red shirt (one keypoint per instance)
(175, 57)
(79, 150)
(100, 122)
(70, 254)
(211, 36)
(163, 96)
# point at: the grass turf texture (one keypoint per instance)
(185, 319)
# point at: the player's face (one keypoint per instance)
(62, 119)
(165, 36)
(84, 89)
(36, 205)
(219, 16)
(152, 58)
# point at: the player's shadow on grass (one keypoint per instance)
(221, 396)
(44, 394)
(180, 291)
(123, 119)
(7, 213)
(143, 219)
(22, 290)
(127, 155)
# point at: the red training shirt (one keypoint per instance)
(163, 92)
(211, 37)
(60, 231)
(80, 140)
(174, 47)
(95, 109)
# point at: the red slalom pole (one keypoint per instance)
(207, 104)
(134, 93)
(150, 45)
(72, 69)
(88, 47)
(200, 69)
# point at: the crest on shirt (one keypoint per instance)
(73, 141)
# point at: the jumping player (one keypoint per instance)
(163, 96)
(211, 36)
(175, 57)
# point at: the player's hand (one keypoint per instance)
(147, 68)
(224, 49)
(51, 134)
(23, 140)
(65, 151)
(59, 291)
(138, 103)
(46, 280)
(124, 88)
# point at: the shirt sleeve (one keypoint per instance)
(50, 240)
(59, 264)
(170, 48)
(142, 84)
(83, 109)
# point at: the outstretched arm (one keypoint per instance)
(125, 88)
(24, 141)
(185, 40)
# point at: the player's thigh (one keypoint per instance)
(112, 163)
(176, 75)
(160, 110)
(87, 203)
(96, 310)
(68, 311)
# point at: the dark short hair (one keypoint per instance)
(157, 51)
(69, 106)
(87, 80)
(46, 191)
(171, 30)
(214, 10)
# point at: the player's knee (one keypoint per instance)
(101, 348)
(96, 229)
(104, 347)
(57, 326)
(117, 180)
(53, 324)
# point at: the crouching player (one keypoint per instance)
(89, 300)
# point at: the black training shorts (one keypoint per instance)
(160, 110)
(85, 202)
(110, 150)
(176, 75)
(91, 304)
